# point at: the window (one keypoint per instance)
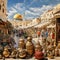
(3, 10)
(0, 7)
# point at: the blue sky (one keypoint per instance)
(29, 8)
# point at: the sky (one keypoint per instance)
(29, 8)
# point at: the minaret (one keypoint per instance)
(3, 10)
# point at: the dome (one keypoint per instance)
(58, 6)
(17, 16)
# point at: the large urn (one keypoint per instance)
(21, 43)
(29, 47)
(6, 53)
(22, 53)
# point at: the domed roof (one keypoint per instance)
(17, 16)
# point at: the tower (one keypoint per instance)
(3, 10)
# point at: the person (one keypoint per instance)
(38, 33)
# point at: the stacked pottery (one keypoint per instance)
(21, 49)
(29, 46)
(6, 53)
(38, 52)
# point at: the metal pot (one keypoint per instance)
(21, 43)
(22, 53)
(29, 47)
(6, 53)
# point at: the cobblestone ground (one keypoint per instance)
(56, 58)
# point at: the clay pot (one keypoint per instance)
(39, 55)
(22, 53)
(29, 47)
(6, 52)
(21, 43)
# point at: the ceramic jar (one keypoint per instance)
(21, 43)
(6, 53)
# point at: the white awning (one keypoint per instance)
(42, 24)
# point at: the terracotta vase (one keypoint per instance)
(39, 55)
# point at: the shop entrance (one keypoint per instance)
(58, 29)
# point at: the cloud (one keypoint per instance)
(32, 12)
(36, 12)
(40, 9)
(11, 12)
(18, 8)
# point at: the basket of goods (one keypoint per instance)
(6, 53)
(21, 43)
(22, 53)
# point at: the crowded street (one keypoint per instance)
(29, 30)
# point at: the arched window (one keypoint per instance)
(0, 7)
